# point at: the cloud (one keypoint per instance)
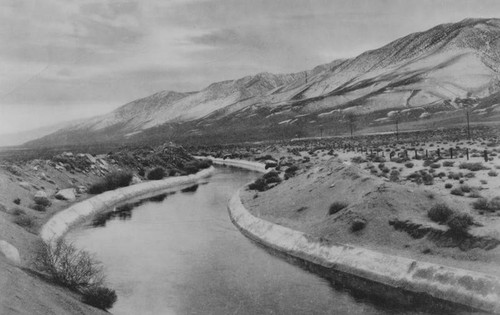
(101, 54)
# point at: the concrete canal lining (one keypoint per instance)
(60, 223)
(457, 286)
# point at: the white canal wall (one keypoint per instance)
(60, 223)
(458, 286)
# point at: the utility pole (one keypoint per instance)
(467, 103)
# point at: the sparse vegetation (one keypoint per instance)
(156, 174)
(492, 173)
(473, 167)
(24, 221)
(460, 223)
(448, 163)
(448, 186)
(457, 192)
(100, 297)
(70, 267)
(358, 224)
(111, 181)
(336, 207)
(440, 213)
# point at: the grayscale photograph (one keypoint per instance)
(250, 157)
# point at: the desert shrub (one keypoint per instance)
(358, 224)
(385, 170)
(38, 207)
(100, 297)
(483, 182)
(427, 179)
(205, 163)
(378, 159)
(141, 172)
(358, 159)
(69, 266)
(465, 188)
(191, 167)
(481, 204)
(473, 167)
(494, 204)
(156, 173)
(43, 202)
(428, 162)
(448, 186)
(381, 166)
(474, 194)
(111, 181)
(259, 184)
(439, 213)
(448, 163)
(460, 223)
(17, 201)
(336, 207)
(435, 165)
(17, 211)
(271, 177)
(409, 164)
(457, 192)
(470, 175)
(492, 173)
(394, 176)
(290, 171)
(24, 221)
(441, 174)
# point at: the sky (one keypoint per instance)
(62, 60)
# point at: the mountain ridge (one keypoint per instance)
(422, 73)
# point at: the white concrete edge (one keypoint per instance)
(460, 286)
(60, 223)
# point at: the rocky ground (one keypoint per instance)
(377, 193)
(34, 190)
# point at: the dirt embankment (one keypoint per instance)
(374, 213)
(62, 180)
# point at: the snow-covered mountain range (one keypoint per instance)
(419, 75)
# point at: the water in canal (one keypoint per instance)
(183, 255)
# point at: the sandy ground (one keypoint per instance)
(302, 202)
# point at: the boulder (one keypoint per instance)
(10, 252)
(41, 197)
(135, 180)
(66, 194)
(91, 158)
(81, 190)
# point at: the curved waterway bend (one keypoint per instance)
(183, 255)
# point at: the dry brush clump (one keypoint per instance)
(111, 181)
(156, 173)
(458, 223)
(336, 207)
(77, 270)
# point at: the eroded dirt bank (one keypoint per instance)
(62, 180)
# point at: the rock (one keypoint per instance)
(25, 185)
(135, 180)
(68, 154)
(92, 159)
(10, 252)
(66, 194)
(41, 197)
(81, 190)
(60, 168)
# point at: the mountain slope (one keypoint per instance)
(420, 74)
